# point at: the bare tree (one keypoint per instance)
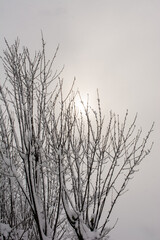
(63, 162)
(27, 153)
(96, 163)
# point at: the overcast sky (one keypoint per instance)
(112, 45)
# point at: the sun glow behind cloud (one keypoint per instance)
(82, 104)
(112, 46)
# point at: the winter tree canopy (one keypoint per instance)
(61, 170)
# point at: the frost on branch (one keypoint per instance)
(96, 164)
(56, 161)
(77, 222)
(32, 200)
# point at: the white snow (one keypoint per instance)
(5, 229)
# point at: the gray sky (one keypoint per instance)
(112, 45)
